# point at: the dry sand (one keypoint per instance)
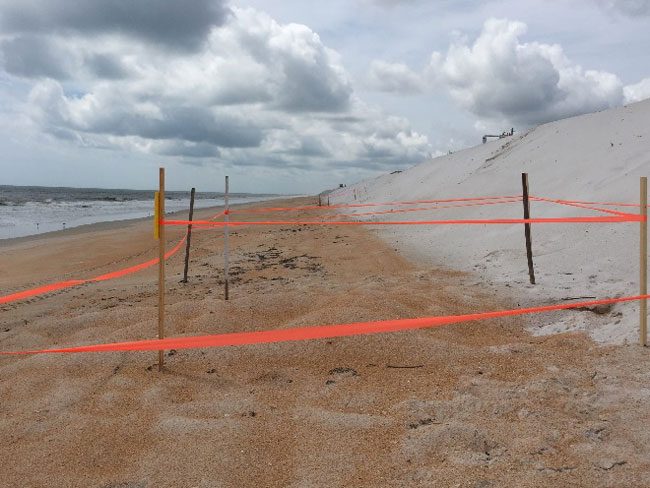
(477, 405)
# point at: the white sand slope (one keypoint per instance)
(597, 156)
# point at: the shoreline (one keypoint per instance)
(107, 225)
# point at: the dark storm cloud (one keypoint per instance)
(193, 124)
(116, 117)
(33, 57)
(268, 161)
(175, 24)
(189, 150)
(310, 88)
(310, 147)
(106, 66)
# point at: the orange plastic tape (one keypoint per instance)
(605, 204)
(22, 295)
(580, 205)
(549, 220)
(138, 267)
(315, 332)
(41, 290)
(370, 204)
(423, 209)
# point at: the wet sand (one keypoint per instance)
(479, 404)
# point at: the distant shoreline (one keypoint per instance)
(107, 225)
(66, 212)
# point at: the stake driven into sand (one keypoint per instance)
(189, 236)
(529, 247)
(643, 281)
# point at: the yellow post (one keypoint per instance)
(643, 306)
(161, 264)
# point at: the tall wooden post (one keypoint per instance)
(643, 261)
(529, 247)
(161, 264)
(189, 236)
(226, 218)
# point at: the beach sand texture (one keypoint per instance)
(472, 405)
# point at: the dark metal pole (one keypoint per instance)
(189, 237)
(529, 248)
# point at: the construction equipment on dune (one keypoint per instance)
(501, 136)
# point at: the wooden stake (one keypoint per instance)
(226, 218)
(189, 237)
(643, 261)
(529, 247)
(161, 265)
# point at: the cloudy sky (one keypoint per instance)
(291, 95)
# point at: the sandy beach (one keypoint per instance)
(470, 405)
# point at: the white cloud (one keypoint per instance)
(498, 77)
(394, 77)
(503, 80)
(252, 92)
(637, 92)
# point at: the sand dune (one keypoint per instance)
(598, 156)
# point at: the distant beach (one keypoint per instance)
(30, 210)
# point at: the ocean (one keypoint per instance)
(29, 210)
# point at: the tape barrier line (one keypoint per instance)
(580, 205)
(23, 295)
(549, 220)
(141, 266)
(605, 204)
(41, 290)
(422, 209)
(314, 332)
(370, 204)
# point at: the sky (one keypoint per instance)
(294, 96)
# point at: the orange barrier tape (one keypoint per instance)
(422, 209)
(606, 204)
(315, 332)
(371, 204)
(580, 205)
(549, 220)
(41, 290)
(139, 267)
(71, 283)
(22, 295)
